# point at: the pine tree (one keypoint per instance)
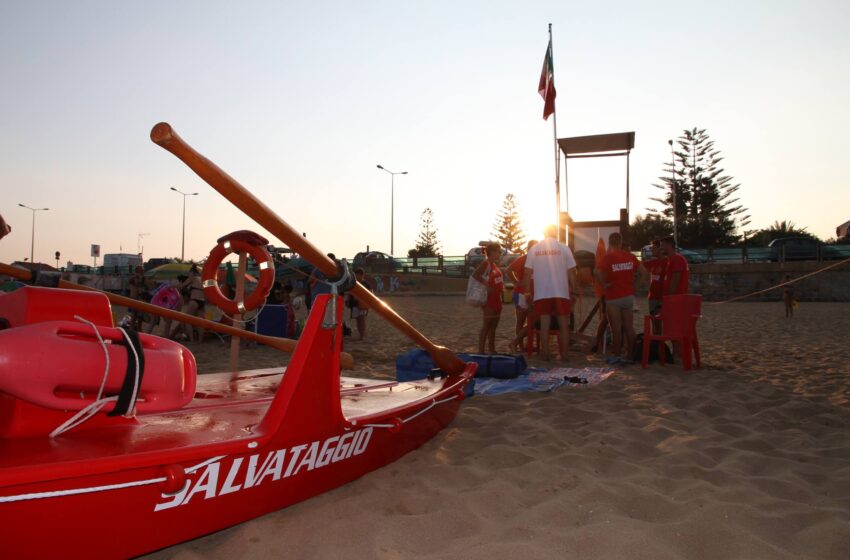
(508, 228)
(427, 244)
(706, 214)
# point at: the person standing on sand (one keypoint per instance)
(138, 290)
(554, 268)
(488, 273)
(676, 272)
(193, 291)
(358, 310)
(676, 277)
(656, 266)
(521, 299)
(618, 272)
(788, 297)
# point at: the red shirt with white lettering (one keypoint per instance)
(619, 268)
(656, 268)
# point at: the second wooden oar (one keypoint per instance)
(285, 344)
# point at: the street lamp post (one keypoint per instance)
(183, 242)
(140, 248)
(32, 242)
(673, 188)
(392, 202)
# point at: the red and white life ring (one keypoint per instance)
(167, 297)
(237, 242)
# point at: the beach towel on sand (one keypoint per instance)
(542, 380)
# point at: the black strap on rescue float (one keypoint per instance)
(125, 397)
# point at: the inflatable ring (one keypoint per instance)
(234, 243)
(167, 297)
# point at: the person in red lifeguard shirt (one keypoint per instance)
(657, 267)
(522, 302)
(617, 272)
(676, 274)
(489, 274)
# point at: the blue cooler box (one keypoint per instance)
(271, 321)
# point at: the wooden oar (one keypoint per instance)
(163, 135)
(285, 344)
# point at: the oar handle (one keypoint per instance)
(284, 344)
(163, 135)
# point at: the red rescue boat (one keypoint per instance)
(120, 486)
(111, 446)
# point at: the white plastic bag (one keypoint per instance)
(476, 292)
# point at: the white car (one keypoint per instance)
(476, 255)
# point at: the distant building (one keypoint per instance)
(123, 261)
(843, 230)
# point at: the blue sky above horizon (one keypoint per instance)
(300, 102)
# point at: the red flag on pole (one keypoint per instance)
(546, 87)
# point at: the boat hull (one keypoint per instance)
(131, 520)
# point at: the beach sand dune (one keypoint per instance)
(748, 457)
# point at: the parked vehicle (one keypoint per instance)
(294, 272)
(691, 256)
(476, 255)
(801, 249)
(377, 262)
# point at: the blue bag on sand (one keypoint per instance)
(500, 366)
(417, 364)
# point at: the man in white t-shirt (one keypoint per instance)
(553, 266)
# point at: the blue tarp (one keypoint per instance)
(543, 380)
(417, 364)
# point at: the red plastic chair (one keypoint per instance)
(678, 318)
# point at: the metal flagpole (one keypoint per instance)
(555, 134)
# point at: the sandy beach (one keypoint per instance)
(746, 458)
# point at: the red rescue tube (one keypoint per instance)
(60, 365)
(209, 275)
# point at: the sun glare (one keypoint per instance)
(536, 218)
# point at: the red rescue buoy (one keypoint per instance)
(238, 242)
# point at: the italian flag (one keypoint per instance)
(546, 87)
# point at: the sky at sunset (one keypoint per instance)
(300, 101)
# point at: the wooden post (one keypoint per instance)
(240, 296)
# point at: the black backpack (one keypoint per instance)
(654, 348)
